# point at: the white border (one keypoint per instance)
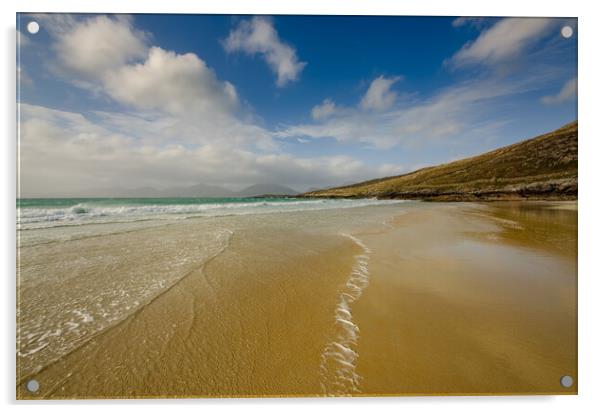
(355, 7)
(590, 285)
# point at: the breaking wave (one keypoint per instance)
(338, 361)
(91, 212)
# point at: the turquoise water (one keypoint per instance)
(70, 202)
(49, 212)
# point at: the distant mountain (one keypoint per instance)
(142, 192)
(266, 189)
(198, 191)
(544, 167)
(193, 191)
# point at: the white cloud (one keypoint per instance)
(171, 82)
(389, 169)
(66, 153)
(258, 35)
(158, 128)
(451, 114)
(178, 98)
(178, 123)
(504, 40)
(379, 95)
(476, 22)
(324, 110)
(172, 97)
(93, 46)
(568, 92)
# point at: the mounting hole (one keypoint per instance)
(566, 32)
(566, 381)
(33, 27)
(33, 386)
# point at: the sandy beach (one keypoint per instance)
(402, 299)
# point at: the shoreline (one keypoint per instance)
(453, 197)
(233, 326)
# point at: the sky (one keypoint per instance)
(129, 101)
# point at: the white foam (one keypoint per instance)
(33, 350)
(86, 317)
(64, 327)
(339, 357)
(85, 213)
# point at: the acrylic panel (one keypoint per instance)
(265, 206)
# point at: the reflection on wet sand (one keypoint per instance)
(447, 299)
(471, 299)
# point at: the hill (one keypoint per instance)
(544, 167)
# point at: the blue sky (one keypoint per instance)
(304, 101)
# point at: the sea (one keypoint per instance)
(86, 264)
(35, 213)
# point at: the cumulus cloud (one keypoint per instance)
(324, 110)
(258, 36)
(379, 95)
(188, 129)
(93, 46)
(177, 123)
(172, 82)
(451, 113)
(67, 153)
(176, 98)
(504, 40)
(567, 92)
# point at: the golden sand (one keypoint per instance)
(454, 307)
(434, 299)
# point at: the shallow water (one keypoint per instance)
(56, 212)
(381, 299)
(76, 281)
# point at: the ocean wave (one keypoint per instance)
(85, 213)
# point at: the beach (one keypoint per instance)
(346, 297)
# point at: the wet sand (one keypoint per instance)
(465, 305)
(407, 299)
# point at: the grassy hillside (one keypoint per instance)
(544, 167)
